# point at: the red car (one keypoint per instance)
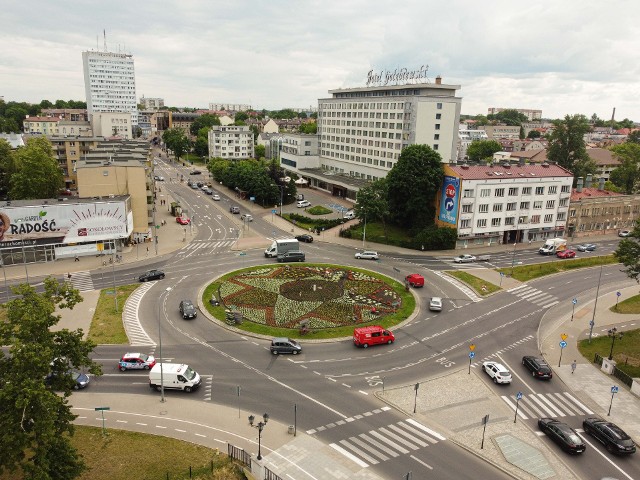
(183, 220)
(566, 254)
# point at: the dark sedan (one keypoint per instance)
(538, 367)
(151, 275)
(610, 435)
(305, 237)
(195, 172)
(562, 434)
(80, 380)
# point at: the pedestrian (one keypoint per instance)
(77, 259)
(147, 251)
(69, 276)
(573, 366)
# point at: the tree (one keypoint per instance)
(534, 134)
(241, 116)
(36, 421)
(567, 147)
(204, 121)
(259, 151)
(634, 137)
(509, 117)
(310, 128)
(7, 167)
(628, 252)
(176, 141)
(480, 150)
(412, 184)
(627, 175)
(37, 174)
(373, 203)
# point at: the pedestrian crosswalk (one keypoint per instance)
(205, 247)
(535, 296)
(390, 441)
(554, 405)
(81, 281)
(135, 333)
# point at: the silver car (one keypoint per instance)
(466, 258)
(367, 255)
(435, 304)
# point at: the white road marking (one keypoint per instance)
(421, 462)
(348, 455)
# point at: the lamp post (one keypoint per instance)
(259, 426)
(162, 399)
(593, 319)
(613, 333)
(364, 230)
(513, 258)
(24, 255)
(113, 271)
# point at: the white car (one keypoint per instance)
(624, 233)
(435, 304)
(497, 372)
(303, 204)
(216, 197)
(466, 258)
(367, 255)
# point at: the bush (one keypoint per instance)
(314, 223)
(319, 210)
(429, 238)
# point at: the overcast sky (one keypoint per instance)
(562, 57)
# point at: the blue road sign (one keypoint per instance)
(618, 294)
(574, 301)
(242, 254)
(274, 211)
(614, 389)
(472, 354)
(563, 344)
(519, 396)
(502, 274)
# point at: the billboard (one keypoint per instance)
(65, 223)
(449, 200)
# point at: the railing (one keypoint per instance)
(597, 359)
(623, 377)
(269, 475)
(239, 454)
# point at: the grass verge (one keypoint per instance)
(626, 350)
(319, 210)
(474, 282)
(630, 305)
(524, 273)
(106, 325)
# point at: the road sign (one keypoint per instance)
(502, 274)
(563, 336)
(563, 344)
(242, 254)
(253, 199)
(274, 210)
(472, 354)
(519, 396)
(417, 385)
(472, 347)
(614, 389)
(98, 409)
(485, 419)
(574, 301)
(618, 294)
(592, 323)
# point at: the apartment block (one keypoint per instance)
(232, 142)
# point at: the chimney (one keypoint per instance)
(601, 183)
(579, 185)
(521, 161)
(438, 80)
(589, 180)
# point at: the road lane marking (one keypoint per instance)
(605, 457)
(421, 462)
(355, 459)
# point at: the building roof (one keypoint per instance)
(590, 192)
(602, 156)
(535, 155)
(42, 119)
(482, 172)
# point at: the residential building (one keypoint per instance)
(69, 150)
(40, 125)
(14, 140)
(112, 124)
(605, 162)
(151, 103)
(233, 107)
(74, 128)
(531, 114)
(298, 151)
(232, 142)
(465, 137)
(596, 211)
(495, 132)
(110, 83)
(183, 120)
(504, 203)
(70, 114)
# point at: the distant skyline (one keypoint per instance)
(558, 57)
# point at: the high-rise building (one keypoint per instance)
(110, 83)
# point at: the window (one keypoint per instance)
(551, 204)
(537, 205)
(467, 208)
(565, 189)
(484, 208)
(561, 216)
(535, 218)
(526, 190)
(539, 190)
(510, 220)
(438, 116)
(435, 146)
(548, 218)
(552, 190)
(482, 222)
(436, 136)
(511, 206)
(524, 205)
(467, 193)
(499, 192)
(465, 223)
(485, 192)
(495, 222)
(439, 106)
(513, 191)
(572, 212)
(437, 126)
(564, 202)
(497, 207)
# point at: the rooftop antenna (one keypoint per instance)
(104, 33)
(613, 118)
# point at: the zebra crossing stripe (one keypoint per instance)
(398, 438)
(415, 431)
(547, 412)
(528, 406)
(428, 430)
(348, 455)
(382, 447)
(548, 305)
(370, 449)
(589, 412)
(551, 405)
(368, 458)
(389, 442)
(508, 401)
(565, 403)
(519, 287)
(400, 431)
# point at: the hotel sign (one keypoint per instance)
(397, 76)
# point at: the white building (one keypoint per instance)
(298, 151)
(152, 103)
(504, 203)
(530, 114)
(112, 124)
(232, 142)
(466, 137)
(110, 83)
(233, 107)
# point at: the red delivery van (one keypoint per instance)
(415, 280)
(372, 335)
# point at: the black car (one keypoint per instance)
(151, 275)
(234, 209)
(80, 380)
(538, 367)
(610, 435)
(195, 172)
(285, 345)
(187, 309)
(305, 237)
(562, 434)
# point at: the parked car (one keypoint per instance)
(305, 237)
(562, 434)
(246, 216)
(136, 361)
(367, 255)
(587, 247)
(435, 304)
(537, 366)
(80, 380)
(195, 172)
(207, 190)
(497, 372)
(415, 280)
(200, 184)
(566, 254)
(624, 233)
(466, 258)
(151, 275)
(216, 197)
(285, 345)
(187, 309)
(194, 186)
(610, 435)
(303, 203)
(234, 210)
(183, 220)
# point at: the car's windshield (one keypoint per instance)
(190, 373)
(144, 357)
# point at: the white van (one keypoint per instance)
(350, 215)
(177, 376)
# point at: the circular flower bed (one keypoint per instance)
(317, 296)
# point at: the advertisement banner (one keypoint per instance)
(64, 223)
(449, 200)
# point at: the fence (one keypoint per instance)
(240, 455)
(597, 359)
(269, 475)
(623, 377)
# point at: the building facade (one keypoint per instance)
(504, 203)
(40, 125)
(298, 151)
(466, 137)
(68, 151)
(501, 131)
(233, 107)
(232, 142)
(531, 114)
(110, 83)
(151, 103)
(112, 124)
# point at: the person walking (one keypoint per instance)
(573, 366)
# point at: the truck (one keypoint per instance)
(553, 246)
(176, 376)
(281, 246)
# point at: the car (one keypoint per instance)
(562, 434)
(194, 186)
(415, 280)
(200, 184)
(303, 203)
(566, 254)
(587, 247)
(305, 237)
(497, 372)
(435, 304)
(610, 435)
(466, 258)
(183, 220)
(624, 233)
(285, 345)
(187, 309)
(246, 217)
(216, 197)
(195, 172)
(291, 256)
(367, 255)
(80, 380)
(207, 190)
(234, 210)
(151, 275)
(538, 367)
(136, 361)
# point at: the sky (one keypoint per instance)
(561, 57)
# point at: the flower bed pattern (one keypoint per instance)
(285, 296)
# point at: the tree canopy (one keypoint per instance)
(628, 252)
(37, 174)
(627, 175)
(7, 167)
(176, 141)
(204, 121)
(482, 150)
(567, 146)
(509, 116)
(373, 203)
(36, 421)
(634, 137)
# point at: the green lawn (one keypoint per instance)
(106, 325)
(626, 350)
(376, 233)
(475, 282)
(525, 273)
(630, 305)
(319, 210)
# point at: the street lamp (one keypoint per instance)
(613, 333)
(168, 289)
(259, 426)
(24, 255)
(593, 318)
